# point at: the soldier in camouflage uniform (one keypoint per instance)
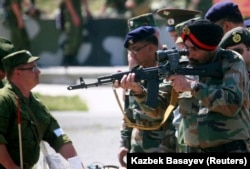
(6, 47)
(216, 116)
(19, 107)
(142, 44)
(173, 18)
(238, 39)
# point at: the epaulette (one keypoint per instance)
(229, 55)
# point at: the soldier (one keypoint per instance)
(225, 14)
(137, 7)
(15, 22)
(142, 44)
(216, 105)
(72, 23)
(146, 19)
(173, 18)
(24, 120)
(6, 47)
(238, 39)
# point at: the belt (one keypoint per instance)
(238, 146)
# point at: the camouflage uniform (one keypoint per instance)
(138, 140)
(204, 127)
(238, 39)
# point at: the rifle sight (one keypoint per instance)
(164, 55)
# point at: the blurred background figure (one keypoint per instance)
(247, 24)
(14, 21)
(137, 7)
(113, 9)
(71, 21)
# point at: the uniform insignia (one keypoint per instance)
(236, 37)
(131, 41)
(171, 21)
(131, 23)
(166, 13)
(186, 30)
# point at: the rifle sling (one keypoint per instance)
(170, 108)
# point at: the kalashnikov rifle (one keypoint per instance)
(169, 65)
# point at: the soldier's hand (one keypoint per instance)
(122, 154)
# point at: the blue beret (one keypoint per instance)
(221, 10)
(138, 34)
(247, 23)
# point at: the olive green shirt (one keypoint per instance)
(11, 102)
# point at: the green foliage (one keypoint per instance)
(63, 103)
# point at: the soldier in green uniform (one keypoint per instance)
(142, 43)
(6, 47)
(216, 116)
(15, 23)
(19, 107)
(71, 11)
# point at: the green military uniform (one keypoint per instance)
(216, 115)
(19, 37)
(37, 123)
(6, 47)
(73, 33)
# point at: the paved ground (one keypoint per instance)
(95, 133)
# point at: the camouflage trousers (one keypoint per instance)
(237, 146)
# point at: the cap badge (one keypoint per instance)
(131, 23)
(131, 41)
(170, 21)
(236, 37)
(186, 30)
(166, 13)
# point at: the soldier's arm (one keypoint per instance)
(73, 14)
(5, 159)
(18, 13)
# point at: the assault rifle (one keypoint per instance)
(153, 75)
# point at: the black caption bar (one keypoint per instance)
(187, 160)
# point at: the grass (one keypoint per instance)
(63, 103)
